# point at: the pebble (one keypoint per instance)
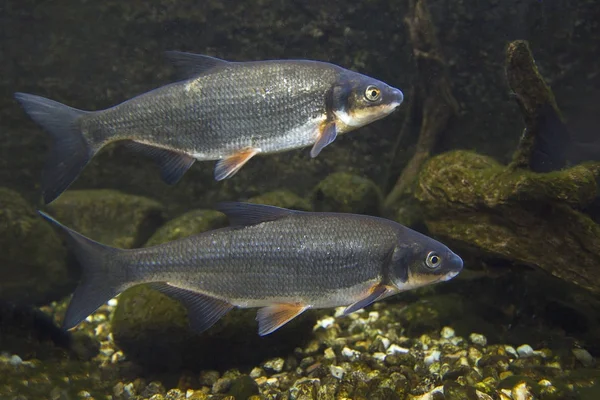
(525, 351)
(275, 365)
(350, 354)
(257, 372)
(432, 357)
(521, 392)
(118, 389)
(324, 323)
(511, 350)
(478, 339)
(329, 354)
(379, 356)
(113, 302)
(129, 390)
(15, 360)
(84, 394)
(584, 357)
(395, 349)
(447, 332)
(208, 378)
(336, 372)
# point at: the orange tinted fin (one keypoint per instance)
(374, 294)
(227, 167)
(274, 317)
(327, 134)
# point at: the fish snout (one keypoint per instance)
(455, 265)
(398, 97)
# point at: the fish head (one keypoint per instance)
(359, 100)
(422, 261)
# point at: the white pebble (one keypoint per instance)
(525, 350)
(456, 340)
(478, 339)
(447, 332)
(15, 360)
(373, 316)
(385, 342)
(379, 356)
(324, 323)
(337, 372)
(395, 349)
(521, 392)
(84, 394)
(129, 390)
(256, 372)
(275, 364)
(584, 357)
(113, 302)
(350, 354)
(432, 357)
(545, 382)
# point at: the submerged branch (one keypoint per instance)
(434, 92)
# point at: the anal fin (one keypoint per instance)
(327, 134)
(375, 293)
(273, 317)
(203, 311)
(228, 166)
(172, 164)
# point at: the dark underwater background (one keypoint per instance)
(457, 162)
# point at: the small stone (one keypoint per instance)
(329, 354)
(379, 356)
(511, 351)
(447, 332)
(395, 349)
(15, 360)
(350, 354)
(113, 302)
(118, 389)
(208, 378)
(129, 390)
(525, 350)
(474, 355)
(221, 385)
(337, 372)
(257, 372)
(545, 382)
(478, 339)
(584, 357)
(275, 365)
(432, 357)
(373, 316)
(324, 323)
(174, 394)
(84, 394)
(521, 392)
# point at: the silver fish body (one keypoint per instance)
(278, 260)
(226, 111)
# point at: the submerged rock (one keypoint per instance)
(282, 198)
(344, 192)
(513, 214)
(188, 224)
(33, 268)
(109, 216)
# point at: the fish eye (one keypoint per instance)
(433, 260)
(372, 93)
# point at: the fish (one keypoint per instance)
(217, 110)
(281, 261)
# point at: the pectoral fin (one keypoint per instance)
(172, 164)
(228, 166)
(376, 293)
(203, 311)
(327, 134)
(274, 317)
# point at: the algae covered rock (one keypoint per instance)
(513, 214)
(33, 267)
(344, 192)
(109, 216)
(188, 224)
(152, 330)
(282, 198)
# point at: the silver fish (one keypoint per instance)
(280, 261)
(226, 111)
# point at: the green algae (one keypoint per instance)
(109, 216)
(33, 268)
(515, 214)
(344, 192)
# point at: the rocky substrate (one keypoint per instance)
(367, 355)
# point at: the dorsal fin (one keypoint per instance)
(189, 65)
(243, 214)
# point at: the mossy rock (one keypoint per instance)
(282, 198)
(190, 223)
(152, 330)
(517, 215)
(344, 192)
(109, 216)
(33, 268)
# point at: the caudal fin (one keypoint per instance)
(70, 151)
(103, 275)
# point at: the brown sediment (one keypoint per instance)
(432, 90)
